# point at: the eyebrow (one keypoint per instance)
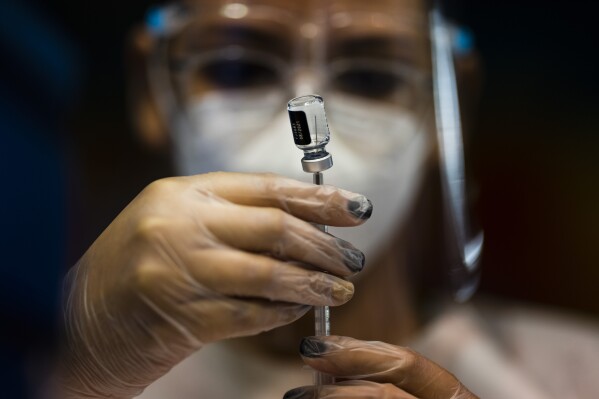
(261, 37)
(380, 46)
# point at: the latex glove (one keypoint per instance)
(197, 259)
(375, 370)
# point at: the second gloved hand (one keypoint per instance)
(372, 369)
(197, 259)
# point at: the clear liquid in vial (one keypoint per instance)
(309, 124)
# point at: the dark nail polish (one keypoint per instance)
(312, 347)
(299, 393)
(360, 207)
(354, 260)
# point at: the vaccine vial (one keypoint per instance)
(310, 131)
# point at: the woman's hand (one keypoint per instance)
(375, 370)
(197, 259)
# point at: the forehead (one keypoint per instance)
(406, 10)
(307, 5)
(395, 28)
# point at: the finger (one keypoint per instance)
(349, 389)
(317, 204)
(211, 319)
(220, 273)
(285, 236)
(183, 309)
(380, 362)
(241, 274)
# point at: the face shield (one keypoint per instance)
(222, 74)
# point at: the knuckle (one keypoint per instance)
(273, 183)
(270, 176)
(213, 180)
(279, 232)
(160, 184)
(279, 221)
(251, 317)
(244, 315)
(145, 277)
(150, 229)
(264, 275)
(408, 359)
(271, 179)
(217, 175)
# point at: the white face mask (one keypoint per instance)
(378, 152)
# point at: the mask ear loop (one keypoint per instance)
(469, 244)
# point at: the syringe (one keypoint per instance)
(311, 134)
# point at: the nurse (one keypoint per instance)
(226, 250)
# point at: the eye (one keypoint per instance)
(367, 82)
(238, 73)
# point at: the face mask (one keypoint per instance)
(379, 152)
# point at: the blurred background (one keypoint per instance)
(70, 161)
(536, 150)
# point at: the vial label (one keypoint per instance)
(299, 127)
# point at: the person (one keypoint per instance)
(227, 251)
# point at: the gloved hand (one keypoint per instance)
(192, 260)
(375, 370)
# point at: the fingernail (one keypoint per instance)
(353, 258)
(299, 393)
(343, 291)
(360, 207)
(312, 347)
